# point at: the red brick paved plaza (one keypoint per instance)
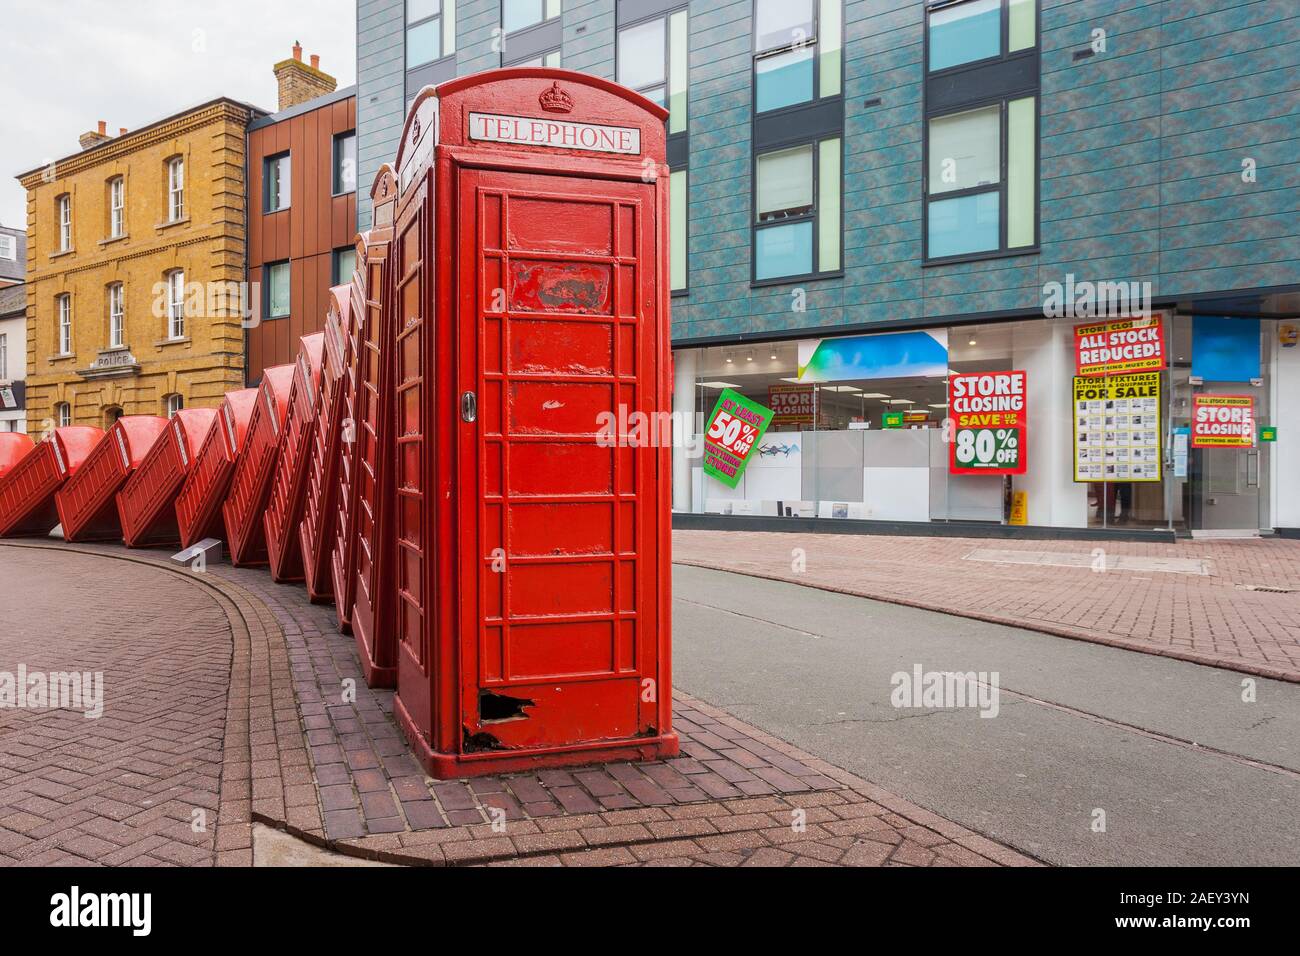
(225, 703)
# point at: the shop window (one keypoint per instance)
(970, 31)
(797, 52)
(275, 290)
(276, 183)
(797, 211)
(971, 206)
(345, 163)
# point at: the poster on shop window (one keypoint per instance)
(1117, 434)
(989, 419)
(735, 427)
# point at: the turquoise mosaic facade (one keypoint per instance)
(1141, 156)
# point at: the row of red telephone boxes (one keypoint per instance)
(536, 631)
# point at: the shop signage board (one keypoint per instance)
(1117, 435)
(791, 404)
(891, 420)
(735, 427)
(1120, 346)
(1223, 421)
(989, 415)
(1268, 433)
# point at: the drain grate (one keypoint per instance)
(1267, 589)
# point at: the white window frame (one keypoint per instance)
(176, 189)
(4, 355)
(116, 316)
(8, 248)
(176, 304)
(63, 414)
(65, 222)
(117, 207)
(173, 403)
(64, 302)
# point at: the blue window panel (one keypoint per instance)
(422, 43)
(784, 80)
(965, 33)
(963, 225)
(783, 251)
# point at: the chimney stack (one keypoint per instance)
(95, 137)
(300, 82)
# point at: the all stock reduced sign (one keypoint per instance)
(735, 427)
(989, 419)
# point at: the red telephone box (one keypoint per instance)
(146, 503)
(14, 446)
(198, 506)
(250, 484)
(320, 507)
(530, 284)
(27, 490)
(87, 502)
(289, 481)
(367, 352)
(372, 487)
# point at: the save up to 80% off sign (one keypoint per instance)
(988, 415)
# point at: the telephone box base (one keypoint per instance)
(443, 766)
(377, 675)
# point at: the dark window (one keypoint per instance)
(343, 265)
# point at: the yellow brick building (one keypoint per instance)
(135, 265)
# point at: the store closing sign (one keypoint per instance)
(1223, 421)
(791, 404)
(1120, 347)
(735, 427)
(990, 418)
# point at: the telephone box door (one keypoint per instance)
(557, 329)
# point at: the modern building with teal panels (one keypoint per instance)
(992, 175)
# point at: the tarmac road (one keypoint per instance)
(1185, 771)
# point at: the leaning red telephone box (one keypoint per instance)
(372, 485)
(368, 347)
(530, 280)
(316, 531)
(250, 484)
(14, 446)
(146, 505)
(87, 502)
(289, 480)
(27, 490)
(198, 506)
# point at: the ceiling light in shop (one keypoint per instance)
(728, 359)
(971, 342)
(874, 395)
(718, 385)
(792, 381)
(899, 401)
(839, 388)
(939, 405)
(772, 356)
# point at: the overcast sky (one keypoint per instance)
(65, 64)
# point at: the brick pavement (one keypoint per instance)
(1212, 619)
(335, 771)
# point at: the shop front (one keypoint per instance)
(1158, 423)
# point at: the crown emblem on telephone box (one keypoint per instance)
(556, 100)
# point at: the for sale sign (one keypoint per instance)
(1223, 421)
(791, 404)
(1120, 347)
(734, 428)
(989, 419)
